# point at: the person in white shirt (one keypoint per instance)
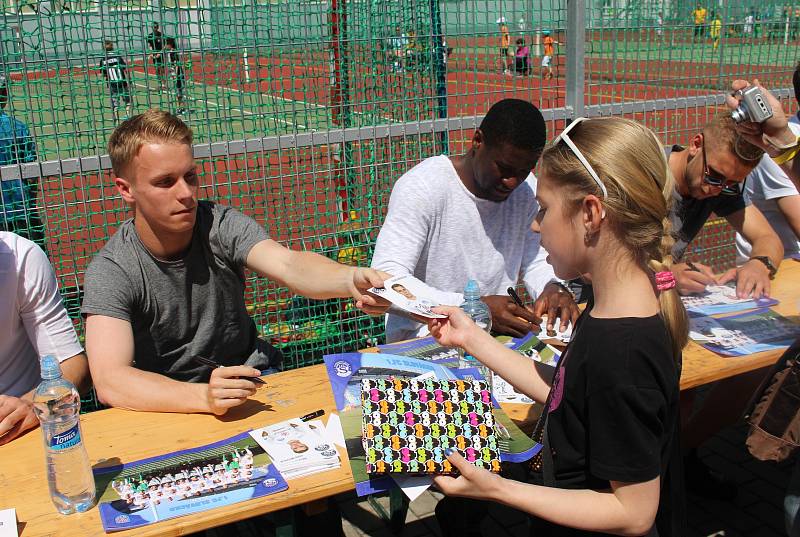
(452, 219)
(770, 189)
(749, 21)
(33, 323)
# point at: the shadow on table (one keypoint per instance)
(250, 408)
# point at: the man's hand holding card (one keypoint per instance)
(408, 294)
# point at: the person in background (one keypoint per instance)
(114, 69)
(522, 58)
(33, 323)
(699, 16)
(176, 73)
(770, 190)
(505, 43)
(549, 51)
(18, 207)
(749, 25)
(452, 219)
(716, 29)
(155, 40)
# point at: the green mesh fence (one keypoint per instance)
(255, 68)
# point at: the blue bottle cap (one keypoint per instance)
(472, 288)
(51, 368)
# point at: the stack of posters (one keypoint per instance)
(425, 348)
(298, 448)
(719, 299)
(744, 333)
(185, 482)
(346, 372)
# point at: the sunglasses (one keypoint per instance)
(564, 137)
(729, 188)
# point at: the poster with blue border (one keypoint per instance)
(346, 371)
(184, 482)
(744, 333)
(721, 299)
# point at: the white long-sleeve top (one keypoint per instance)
(443, 235)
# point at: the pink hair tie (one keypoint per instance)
(665, 280)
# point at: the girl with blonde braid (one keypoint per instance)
(611, 457)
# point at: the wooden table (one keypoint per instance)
(116, 436)
(701, 366)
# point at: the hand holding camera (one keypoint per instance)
(752, 107)
(759, 117)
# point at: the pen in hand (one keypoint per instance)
(515, 297)
(211, 363)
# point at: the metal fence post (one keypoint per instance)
(576, 48)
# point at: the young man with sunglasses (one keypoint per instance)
(709, 174)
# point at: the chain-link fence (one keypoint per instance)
(305, 113)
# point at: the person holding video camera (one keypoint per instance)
(767, 129)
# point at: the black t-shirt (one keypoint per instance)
(156, 40)
(114, 69)
(614, 415)
(689, 215)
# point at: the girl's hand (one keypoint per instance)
(455, 330)
(473, 482)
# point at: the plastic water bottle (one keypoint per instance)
(478, 312)
(69, 475)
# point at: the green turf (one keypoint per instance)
(71, 115)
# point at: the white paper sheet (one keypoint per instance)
(8, 523)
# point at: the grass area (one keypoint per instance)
(71, 115)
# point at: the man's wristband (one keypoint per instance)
(777, 145)
(787, 155)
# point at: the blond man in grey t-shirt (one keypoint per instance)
(169, 285)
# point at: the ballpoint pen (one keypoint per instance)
(211, 363)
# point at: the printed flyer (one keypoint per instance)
(719, 299)
(744, 333)
(184, 482)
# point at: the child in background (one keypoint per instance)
(522, 58)
(611, 456)
(716, 29)
(176, 72)
(549, 51)
(505, 42)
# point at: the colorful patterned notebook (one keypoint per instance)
(408, 424)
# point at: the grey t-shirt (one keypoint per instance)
(186, 307)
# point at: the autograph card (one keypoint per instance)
(408, 294)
